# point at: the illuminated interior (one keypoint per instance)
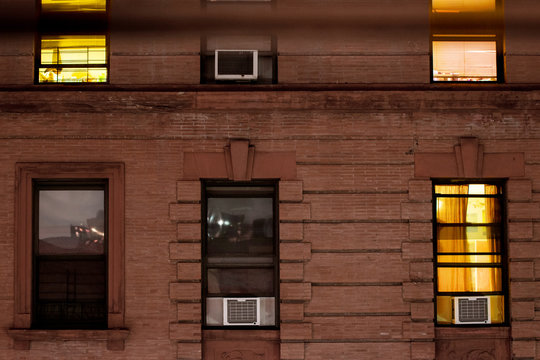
(65, 58)
(457, 6)
(468, 247)
(73, 5)
(464, 61)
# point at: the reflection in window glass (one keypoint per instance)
(71, 222)
(73, 5)
(457, 6)
(464, 61)
(63, 55)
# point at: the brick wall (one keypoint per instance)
(356, 247)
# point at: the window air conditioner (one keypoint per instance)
(471, 310)
(236, 64)
(241, 311)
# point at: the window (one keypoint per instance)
(72, 45)
(469, 254)
(73, 59)
(70, 264)
(467, 41)
(240, 262)
(69, 251)
(73, 5)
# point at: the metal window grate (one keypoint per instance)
(242, 311)
(473, 310)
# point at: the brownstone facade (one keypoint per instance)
(354, 134)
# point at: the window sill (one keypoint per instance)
(23, 337)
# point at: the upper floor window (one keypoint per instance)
(457, 6)
(464, 58)
(467, 41)
(73, 58)
(469, 254)
(72, 46)
(86, 6)
(240, 262)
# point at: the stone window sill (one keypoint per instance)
(23, 337)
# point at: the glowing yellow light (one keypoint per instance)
(73, 5)
(456, 6)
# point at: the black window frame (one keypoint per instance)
(71, 23)
(469, 26)
(206, 194)
(503, 251)
(60, 185)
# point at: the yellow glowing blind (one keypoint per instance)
(457, 6)
(73, 58)
(73, 5)
(464, 61)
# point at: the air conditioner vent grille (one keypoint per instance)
(242, 311)
(473, 310)
(235, 62)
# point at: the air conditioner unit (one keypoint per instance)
(471, 310)
(236, 64)
(241, 311)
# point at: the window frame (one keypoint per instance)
(204, 263)
(503, 251)
(469, 26)
(26, 174)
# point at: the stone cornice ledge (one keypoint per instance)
(114, 337)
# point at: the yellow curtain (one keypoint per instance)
(450, 212)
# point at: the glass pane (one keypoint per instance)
(257, 282)
(72, 75)
(464, 61)
(71, 222)
(495, 259)
(71, 292)
(73, 5)
(240, 226)
(444, 309)
(468, 189)
(468, 239)
(457, 6)
(468, 210)
(469, 279)
(73, 49)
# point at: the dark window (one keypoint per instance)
(469, 254)
(240, 261)
(72, 44)
(70, 259)
(467, 41)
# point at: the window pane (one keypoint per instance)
(469, 279)
(71, 292)
(468, 210)
(256, 282)
(464, 61)
(456, 6)
(71, 222)
(444, 309)
(73, 49)
(73, 5)
(495, 259)
(469, 189)
(468, 239)
(240, 226)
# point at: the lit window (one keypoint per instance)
(464, 61)
(73, 5)
(73, 59)
(239, 255)
(457, 6)
(469, 254)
